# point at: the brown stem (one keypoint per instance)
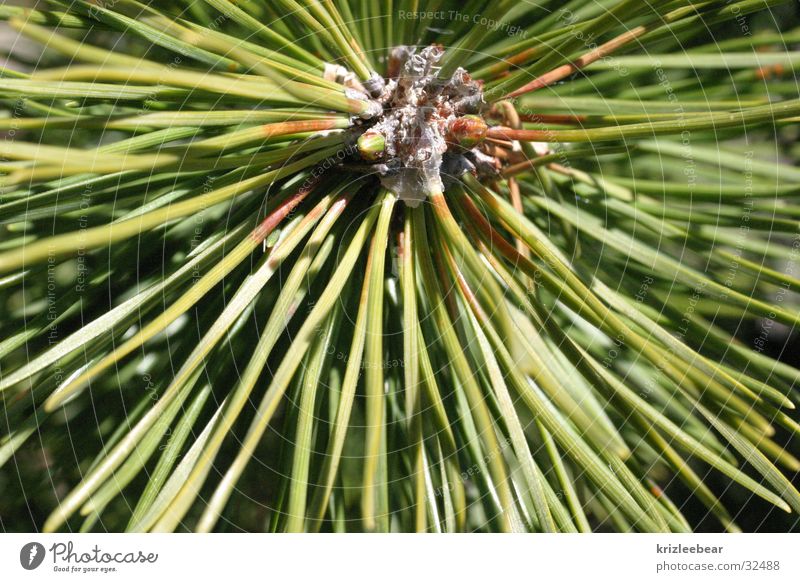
(596, 54)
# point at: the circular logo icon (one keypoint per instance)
(31, 555)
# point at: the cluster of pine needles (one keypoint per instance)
(213, 318)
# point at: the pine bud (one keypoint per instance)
(371, 145)
(467, 131)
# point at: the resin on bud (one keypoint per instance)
(371, 145)
(467, 131)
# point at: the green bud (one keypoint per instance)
(371, 145)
